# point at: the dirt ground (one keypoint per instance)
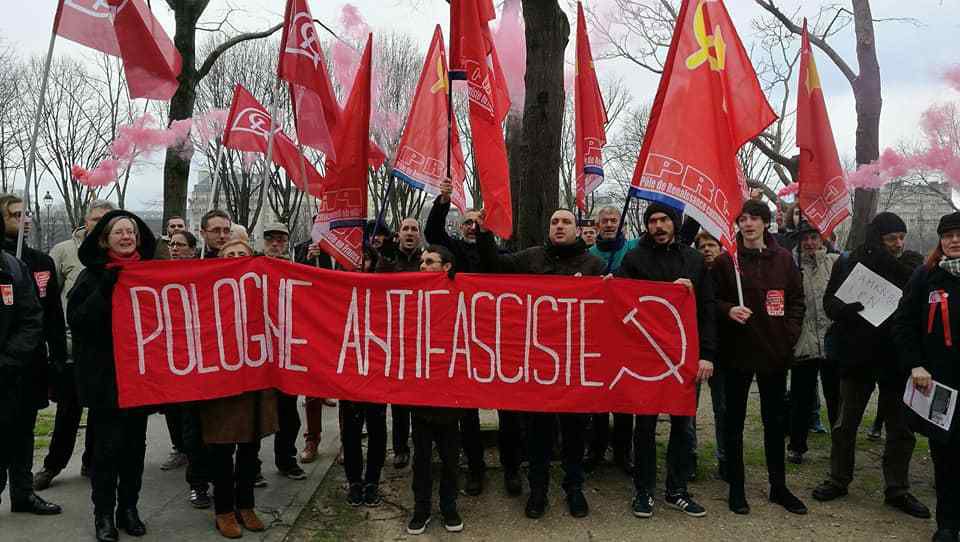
(496, 516)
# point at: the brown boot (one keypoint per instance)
(248, 518)
(227, 525)
(309, 453)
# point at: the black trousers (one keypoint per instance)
(66, 425)
(445, 435)
(471, 440)
(401, 428)
(803, 398)
(645, 455)
(510, 439)
(118, 452)
(947, 478)
(622, 431)
(173, 414)
(199, 471)
(772, 385)
(16, 452)
(353, 416)
(540, 435)
(235, 468)
(288, 429)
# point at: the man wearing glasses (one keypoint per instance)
(175, 224)
(215, 231)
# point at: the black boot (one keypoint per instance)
(105, 528)
(128, 519)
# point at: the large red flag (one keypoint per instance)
(489, 103)
(127, 29)
(248, 129)
(823, 197)
(591, 118)
(422, 154)
(709, 103)
(343, 201)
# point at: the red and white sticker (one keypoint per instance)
(41, 278)
(775, 302)
(7, 290)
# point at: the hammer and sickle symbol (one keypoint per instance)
(672, 369)
(706, 42)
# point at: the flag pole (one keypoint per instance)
(449, 122)
(306, 191)
(214, 197)
(274, 126)
(32, 162)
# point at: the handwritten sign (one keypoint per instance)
(878, 295)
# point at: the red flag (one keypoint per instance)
(823, 197)
(343, 201)
(248, 129)
(87, 22)
(709, 103)
(422, 154)
(591, 118)
(489, 103)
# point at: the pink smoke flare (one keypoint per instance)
(952, 75)
(511, 42)
(789, 190)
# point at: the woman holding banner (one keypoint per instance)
(232, 429)
(118, 451)
(926, 330)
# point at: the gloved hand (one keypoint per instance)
(851, 310)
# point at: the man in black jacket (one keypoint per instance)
(23, 360)
(868, 357)
(562, 254)
(659, 257)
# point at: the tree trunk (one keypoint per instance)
(516, 154)
(547, 33)
(867, 93)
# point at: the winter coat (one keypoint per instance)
(920, 341)
(52, 350)
(247, 417)
(815, 270)
(862, 349)
(163, 249)
(394, 260)
(547, 259)
(667, 263)
(21, 332)
(300, 251)
(467, 255)
(89, 313)
(613, 251)
(773, 290)
(66, 258)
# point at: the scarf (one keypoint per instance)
(611, 245)
(114, 258)
(951, 266)
(565, 251)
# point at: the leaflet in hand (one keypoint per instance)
(936, 407)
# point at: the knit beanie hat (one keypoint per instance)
(753, 207)
(949, 222)
(886, 223)
(656, 207)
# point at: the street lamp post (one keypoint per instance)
(48, 202)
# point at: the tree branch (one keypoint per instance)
(222, 48)
(791, 164)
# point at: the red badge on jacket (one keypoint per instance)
(775, 302)
(41, 278)
(7, 290)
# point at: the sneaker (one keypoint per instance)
(512, 483)
(536, 504)
(199, 498)
(419, 521)
(309, 453)
(577, 503)
(795, 457)
(355, 495)
(474, 485)
(642, 505)
(786, 499)
(294, 472)
(259, 481)
(684, 503)
(371, 495)
(452, 521)
(908, 504)
(875, 433)
(43, 479)
(828, 491)
(174, 461)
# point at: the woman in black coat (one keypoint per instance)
(927, 332)
(120, 444)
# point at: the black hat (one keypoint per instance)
(657, 207)
(804, 228)
(949, 222)
(753, 207)
(887, 223)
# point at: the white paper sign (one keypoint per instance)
(878, 295)
(937, 408)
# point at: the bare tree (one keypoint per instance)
(10, 102)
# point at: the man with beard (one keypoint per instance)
(867, 357)
(562, 254)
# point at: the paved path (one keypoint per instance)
(163, 501)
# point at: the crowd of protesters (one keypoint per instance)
(771, 317)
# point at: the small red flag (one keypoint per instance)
(709, 103)
(489, 104)
(422, 154)
(823, 197)
(591, 118)
(343, 199)
(87, 22)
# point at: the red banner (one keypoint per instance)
(591, 118)
(522, 342)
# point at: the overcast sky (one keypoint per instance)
(912, 55)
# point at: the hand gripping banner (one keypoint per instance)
(522, 342)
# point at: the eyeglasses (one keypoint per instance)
(469, 222)
(178, 244)
(219, 231)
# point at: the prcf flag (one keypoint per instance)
(591, 117)
(709, 103)
(343, 199)
(248, 129)
(472, 51)
(302, 65)
(126, 29)
(422, 154)
(823, 197)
